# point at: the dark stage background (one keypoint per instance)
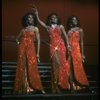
(86, 10)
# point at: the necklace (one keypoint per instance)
(54, 25)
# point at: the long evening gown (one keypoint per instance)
(57, 44)
(27, 74)
(79, 73)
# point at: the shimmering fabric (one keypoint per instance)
(27, 65)
(58, 44)
(79, 72)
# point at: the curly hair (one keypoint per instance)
(70, 23)
(25, 19)
(48, 22)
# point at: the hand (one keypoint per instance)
(83, 58)
(17, 41)
(34, 8)
(38, 58)
(36, 12)
(69, 48)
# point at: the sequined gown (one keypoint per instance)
(26, 72)
(79, 72)
(56, 43)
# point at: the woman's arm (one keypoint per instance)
(38, 40)
(18, 38)
(66, 36)
(37, 15)
(82, 44)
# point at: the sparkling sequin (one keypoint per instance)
(27, 61)
(80, 74)
(56, 43)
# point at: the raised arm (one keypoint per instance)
(37, 15)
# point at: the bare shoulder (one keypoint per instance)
(61, 26)
(36, 29)
(81, 30)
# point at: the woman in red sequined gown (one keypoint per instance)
(27, 75)
(78, 77)
(60, 69)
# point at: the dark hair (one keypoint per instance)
(48, 22)
(70, 23)
(25, 19)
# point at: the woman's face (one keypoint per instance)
(30, 19)
(54, 19)
(74, 21)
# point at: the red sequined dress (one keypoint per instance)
(79, 72)
(56, 43)
(27, 71)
